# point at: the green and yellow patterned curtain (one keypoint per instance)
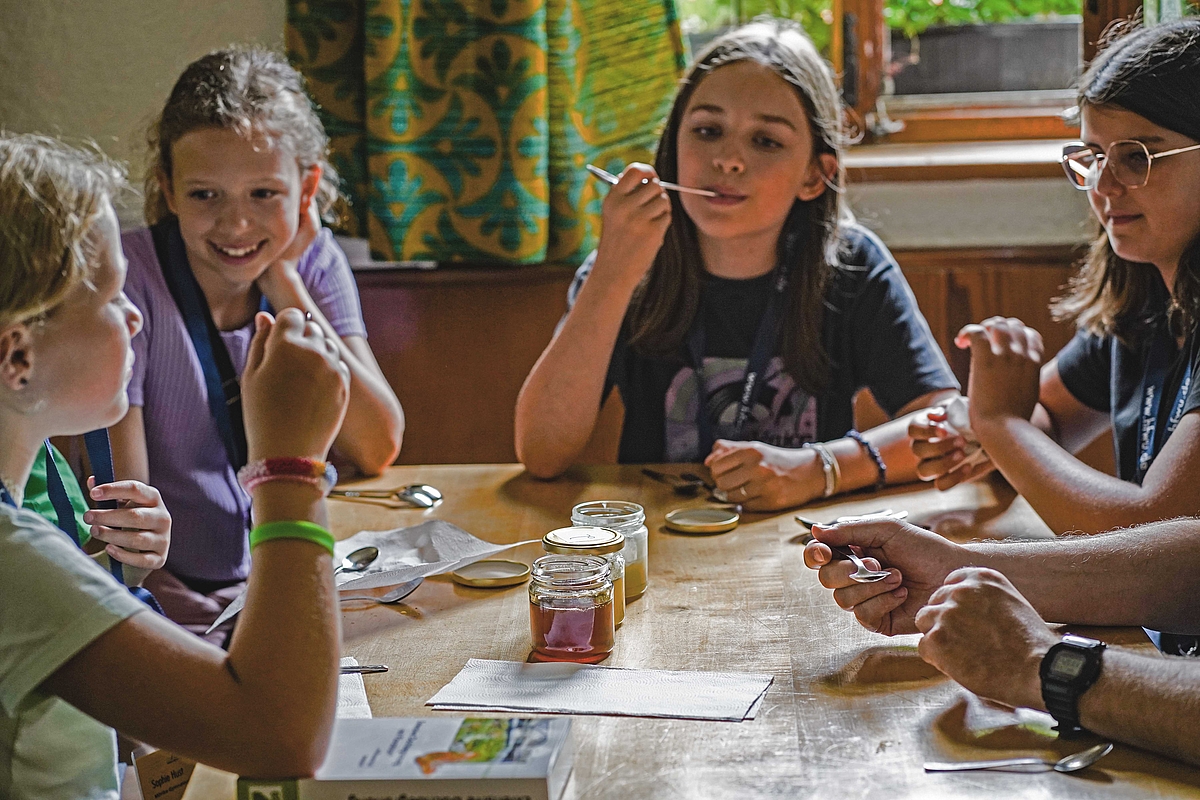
(461, 127)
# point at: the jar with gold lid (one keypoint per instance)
(571, 609)
(629, 520)
(594, 541)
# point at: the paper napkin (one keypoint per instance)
(352, 694)
(560, 688)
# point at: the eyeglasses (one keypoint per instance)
(1128, 161)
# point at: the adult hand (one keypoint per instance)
(917, 559)
(761, 477)
(635, 218)
(294, 390)
(1006, 360)
(981, 632)
(138, 531)
(940, 452)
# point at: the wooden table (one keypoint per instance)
(850, 713)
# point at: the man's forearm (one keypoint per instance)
(1146, 575)
(1146, 701)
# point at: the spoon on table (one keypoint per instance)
(421, 495)
(394, 596)
(357, 561)
(1072, 763)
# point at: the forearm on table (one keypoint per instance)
(1137, 576)
(560, 400)
(1066, 493)
(1149, 702)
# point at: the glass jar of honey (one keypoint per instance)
(593, 541)
(629, 520)
(571, 609)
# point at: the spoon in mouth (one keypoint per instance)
(357, 561)
(609, 178)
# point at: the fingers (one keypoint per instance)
(139, 540)
(154, 519)
(134, 492)
(142, 560)
(263, 324)
(929, 425)
(867, 534)
(1000, 335)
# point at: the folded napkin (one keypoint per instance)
(352, 694)
(561, 688)
(405, 554)
(958, 423)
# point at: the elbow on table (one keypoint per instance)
(374, 456)
(539, 461)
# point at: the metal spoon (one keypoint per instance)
(611, 179)
(1072, 763)
(421, 495)
(357, 561)
(863, 574)
(394, 596)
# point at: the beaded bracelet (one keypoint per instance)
(873, 452)
(829, 465)
(320, 474)
(289, 529)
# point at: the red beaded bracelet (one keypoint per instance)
(319, 474)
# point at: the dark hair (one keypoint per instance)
(1153, 72)
(667, 301)
(250, 90)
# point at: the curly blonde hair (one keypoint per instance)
(51, 195)
(250, 90)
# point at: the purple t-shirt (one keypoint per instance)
(188, 462)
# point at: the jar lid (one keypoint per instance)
(584, 539)
(491, 574)
(703, 520)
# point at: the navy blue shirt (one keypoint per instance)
(1106, 375)
(873, 333)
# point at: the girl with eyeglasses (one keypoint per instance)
(1132, 367)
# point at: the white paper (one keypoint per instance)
(352, 694)
(562, 688)
(405, 554)
(958, 423)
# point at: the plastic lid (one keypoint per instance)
(491, 574)
(583, 539)
(703, 520)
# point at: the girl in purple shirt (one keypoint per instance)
(234, 197)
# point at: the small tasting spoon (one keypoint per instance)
(609, 178)
(1072, 763)
(357, 561)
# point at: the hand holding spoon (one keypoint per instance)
(609, 178)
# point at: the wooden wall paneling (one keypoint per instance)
(456, 345)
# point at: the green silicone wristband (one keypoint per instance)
(288, 529)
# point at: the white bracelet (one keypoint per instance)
(829, 465)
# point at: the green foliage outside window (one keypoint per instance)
(910, 16)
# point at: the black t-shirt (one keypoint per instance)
(873, 332)
(1106, 375)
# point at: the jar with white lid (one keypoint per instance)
(629, 520)
(589, 540)
(571, 609)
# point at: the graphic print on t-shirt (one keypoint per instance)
(783, 413)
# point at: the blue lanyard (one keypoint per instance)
(1153, 386)
(765, 340)
(100, 454)
(223, 390)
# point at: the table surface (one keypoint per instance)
(849, 712)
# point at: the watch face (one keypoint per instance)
(1067, 665)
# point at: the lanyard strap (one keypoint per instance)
(1153, 386)
(765, 340)
(221, 381)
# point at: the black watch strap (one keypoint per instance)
(1068, 670)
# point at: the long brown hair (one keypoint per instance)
(1152, 72)
(668, 299)
(250, 90)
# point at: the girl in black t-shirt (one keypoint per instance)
(1136, 301)
(754, 313)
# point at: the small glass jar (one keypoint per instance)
(594, 541)
(629, 520)
(571, 609)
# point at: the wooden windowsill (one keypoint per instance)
(952, 161)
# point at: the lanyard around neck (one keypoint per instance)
(765, 340)
(221, 381)
(1153, 386)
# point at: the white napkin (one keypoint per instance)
(561, 688)
(352, 693)
(405, 554)
(958, 423)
